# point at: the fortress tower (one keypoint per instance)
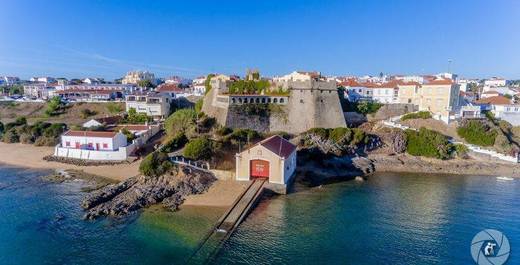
(307, 103)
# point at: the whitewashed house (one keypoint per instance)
(386, 93)
(153, 104)
(495, 82)
(92, 140)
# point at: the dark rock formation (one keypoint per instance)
(142, 191)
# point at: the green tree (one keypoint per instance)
(198, 149)
(53, 106)
(136, 118)
(146, 83)
(155, 164)
(180, 121)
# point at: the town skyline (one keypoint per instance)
(276, 38)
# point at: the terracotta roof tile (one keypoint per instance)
(90, 134)
(496, 100)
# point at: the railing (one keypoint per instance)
(515, 159)
(188, 162)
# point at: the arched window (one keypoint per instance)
(263, 100)
(257, 100)
(233, 100)
(240, 100)
(275, 100)
(282, 100)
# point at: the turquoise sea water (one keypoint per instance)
(389, 219)
(41, 223)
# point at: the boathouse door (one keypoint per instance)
(259, 169)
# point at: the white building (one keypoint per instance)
(495, 81)
(297, 76)
(386, 93)
(199, 85)
(91, 81)
(44, 79)
(39, 90)
(92, 140)
(153, 104)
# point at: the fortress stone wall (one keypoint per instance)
(309, 105)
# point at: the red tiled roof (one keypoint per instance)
(278, 145)
(169, 88)
(90, 134)
(496, 100)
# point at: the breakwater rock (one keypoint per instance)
(141, 191)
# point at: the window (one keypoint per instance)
(275, 100)
(282, 100)
(67, 143)
(90, 145)
(105, 145)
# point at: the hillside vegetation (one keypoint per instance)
(73, 114)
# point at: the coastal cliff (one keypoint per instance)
(138, 192)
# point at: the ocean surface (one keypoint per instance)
(389, 219)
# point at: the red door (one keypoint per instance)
(97, 146)
(77, 145)
(259, 169)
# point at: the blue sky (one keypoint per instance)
(189, 38)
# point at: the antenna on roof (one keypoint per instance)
(449, 65)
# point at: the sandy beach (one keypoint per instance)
(221, 194)
(24, 155)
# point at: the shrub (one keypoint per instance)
(155, 164)
(129, 135)
(244, 135)
(177, 142)
(1, 128)
(341, 135)
(11, 136)
(46, 141)
(85, 113)
(321, 132)
(114, 107)
(54, 106)
(198, 105)
(224, 131)
(461, 150)
(368, 107)
(476, 132)
(359, 137)
(198, 149)
(427, 143)
(417, 115)
(26, 138)
(54, 130)
(136, 118)
(180, 121)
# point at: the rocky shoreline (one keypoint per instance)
(411, 164)
(141, 191)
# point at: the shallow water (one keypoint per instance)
(41, 223)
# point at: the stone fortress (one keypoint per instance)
(308, 101)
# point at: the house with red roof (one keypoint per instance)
(273, 159)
